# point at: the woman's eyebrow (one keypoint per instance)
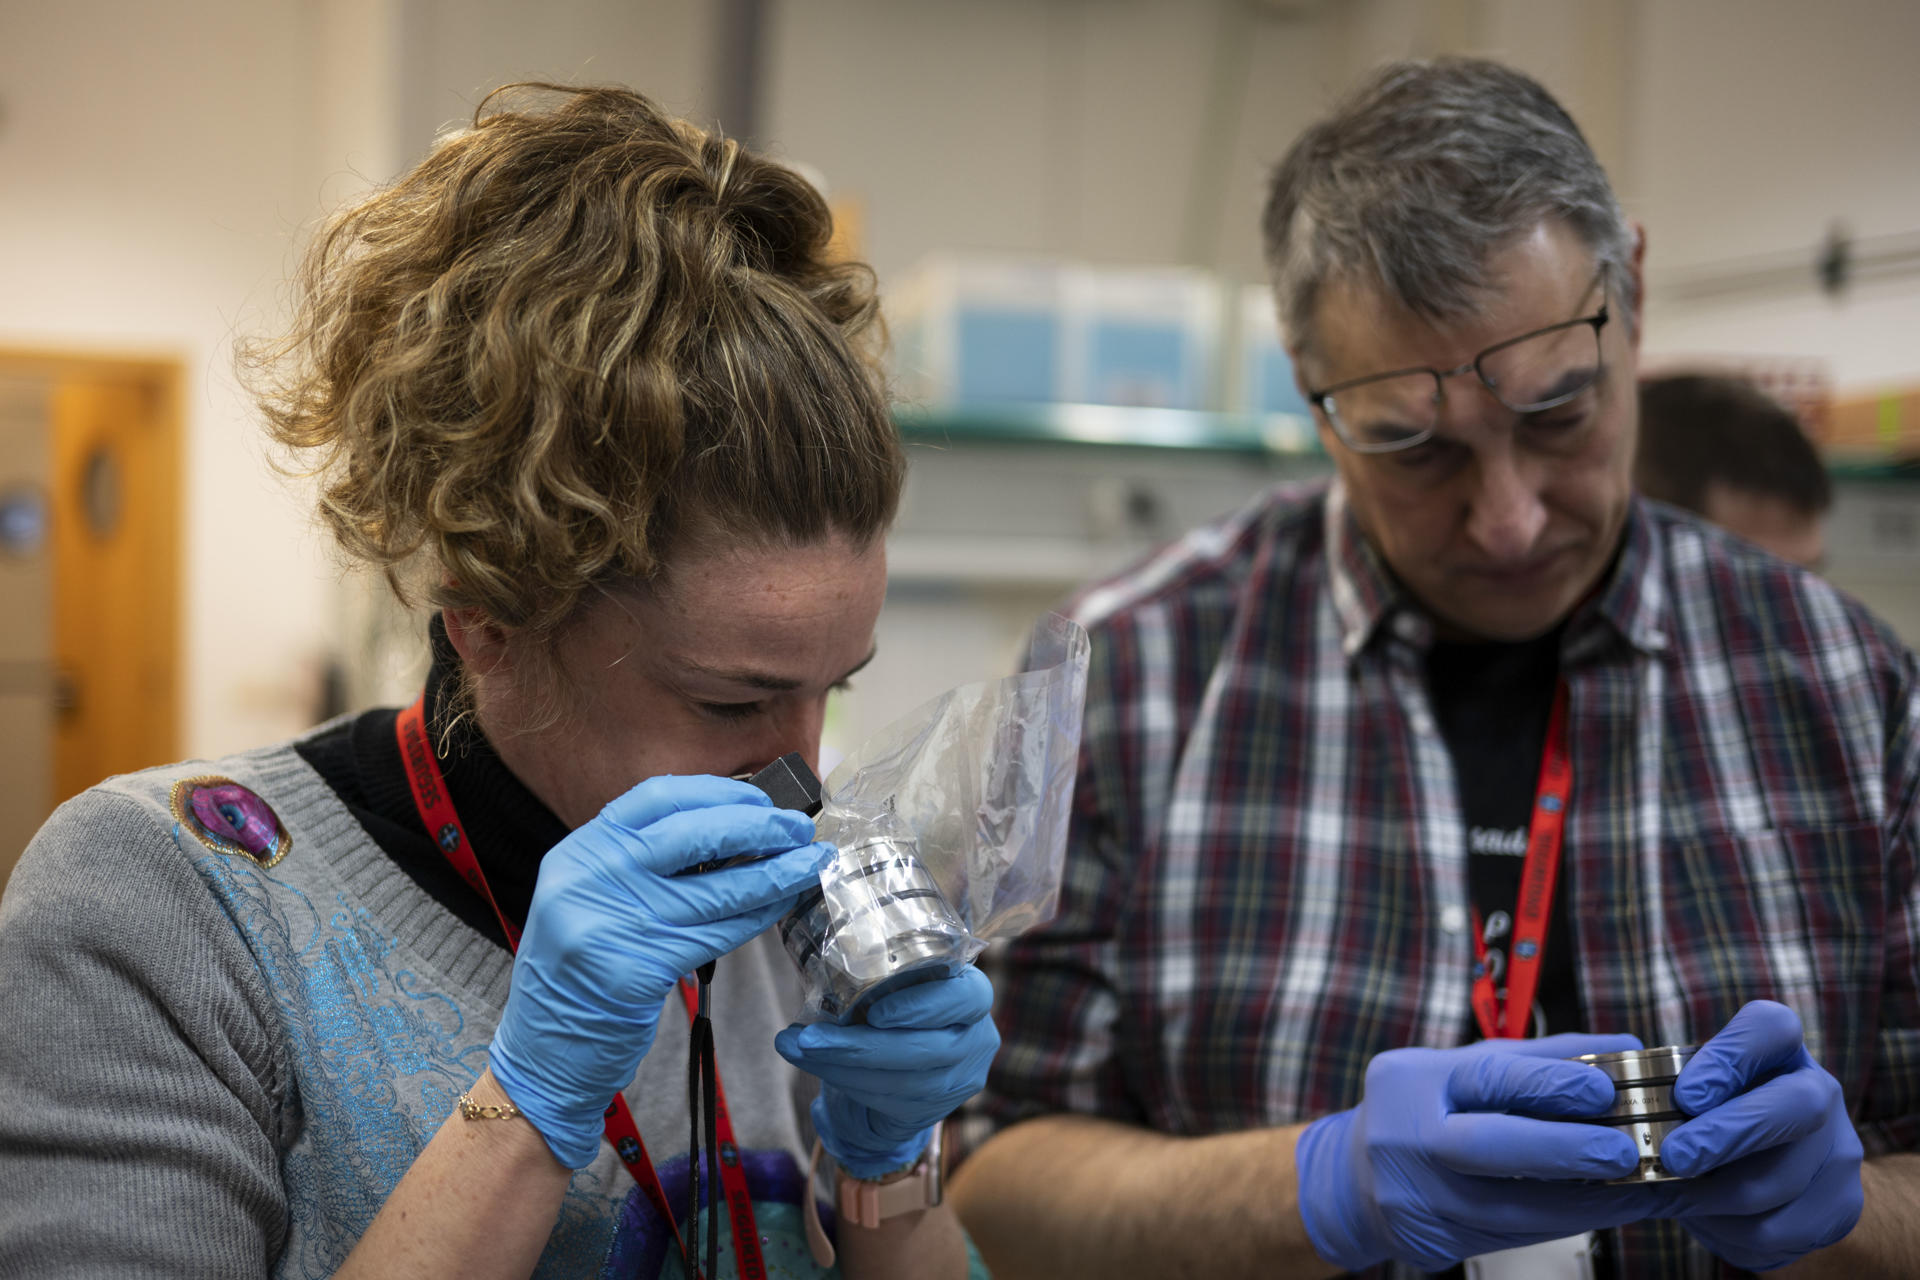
(757, 679)
(859, 666)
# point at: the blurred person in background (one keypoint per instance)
(1722, 447)
(589, 380)
(1396, 796)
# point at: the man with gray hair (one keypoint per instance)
(1397, 795)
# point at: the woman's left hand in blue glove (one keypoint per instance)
(923, 1051)
(1776, 1166)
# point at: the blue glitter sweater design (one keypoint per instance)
(384, 1004)
(362, 1035)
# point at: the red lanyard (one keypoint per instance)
(442, 822)
(1534, 911)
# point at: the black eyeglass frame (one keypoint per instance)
(1318, 399)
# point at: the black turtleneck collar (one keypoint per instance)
(510, 828)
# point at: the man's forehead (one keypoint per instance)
(1361, 329)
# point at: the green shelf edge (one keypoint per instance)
(1891, 471)
(1122, 427)
(1110, 426)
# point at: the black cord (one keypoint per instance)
(709, 1087)
(703, 1145)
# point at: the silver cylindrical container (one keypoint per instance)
(885, 925)
(1643, 1102)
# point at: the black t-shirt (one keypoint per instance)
(511, 829)
(1493, 702)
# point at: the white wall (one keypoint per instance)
(1761, 120)
(154, 169)
(1760, 123)
(1116, 130)
(452, 52)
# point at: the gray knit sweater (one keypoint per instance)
(210, 1068)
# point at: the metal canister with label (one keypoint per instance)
(885, 926)
(1643, 1102)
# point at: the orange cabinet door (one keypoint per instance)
(116, 565)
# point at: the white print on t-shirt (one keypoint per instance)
(1492, 840)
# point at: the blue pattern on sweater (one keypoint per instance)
(379, 1055)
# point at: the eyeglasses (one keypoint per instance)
(1387, 412)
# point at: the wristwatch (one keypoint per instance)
(868, 1204)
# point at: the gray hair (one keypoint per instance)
(1414, 181)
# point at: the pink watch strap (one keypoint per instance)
(868, 1204)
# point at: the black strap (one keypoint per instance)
(703, 1146)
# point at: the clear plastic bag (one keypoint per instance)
(952, 829)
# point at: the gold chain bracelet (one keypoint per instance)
(476, 1111)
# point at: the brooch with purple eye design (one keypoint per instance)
(229, 818)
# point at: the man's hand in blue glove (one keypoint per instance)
(1776, 1162)
(1428, 1170)
(612, 928)
(923, 1052)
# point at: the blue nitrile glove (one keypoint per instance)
(1776, 1166)
(923, 1052)
(1427, 1171)
(612, 928)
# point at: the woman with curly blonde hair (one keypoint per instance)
(413, 994)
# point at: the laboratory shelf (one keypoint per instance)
(1863, 470)
(1271, 436)
(1281, 435)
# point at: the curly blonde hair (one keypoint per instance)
(576, 335)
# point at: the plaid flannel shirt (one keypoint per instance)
(1266, 880)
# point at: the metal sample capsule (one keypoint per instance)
(1643, 1102)
(886, 926)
